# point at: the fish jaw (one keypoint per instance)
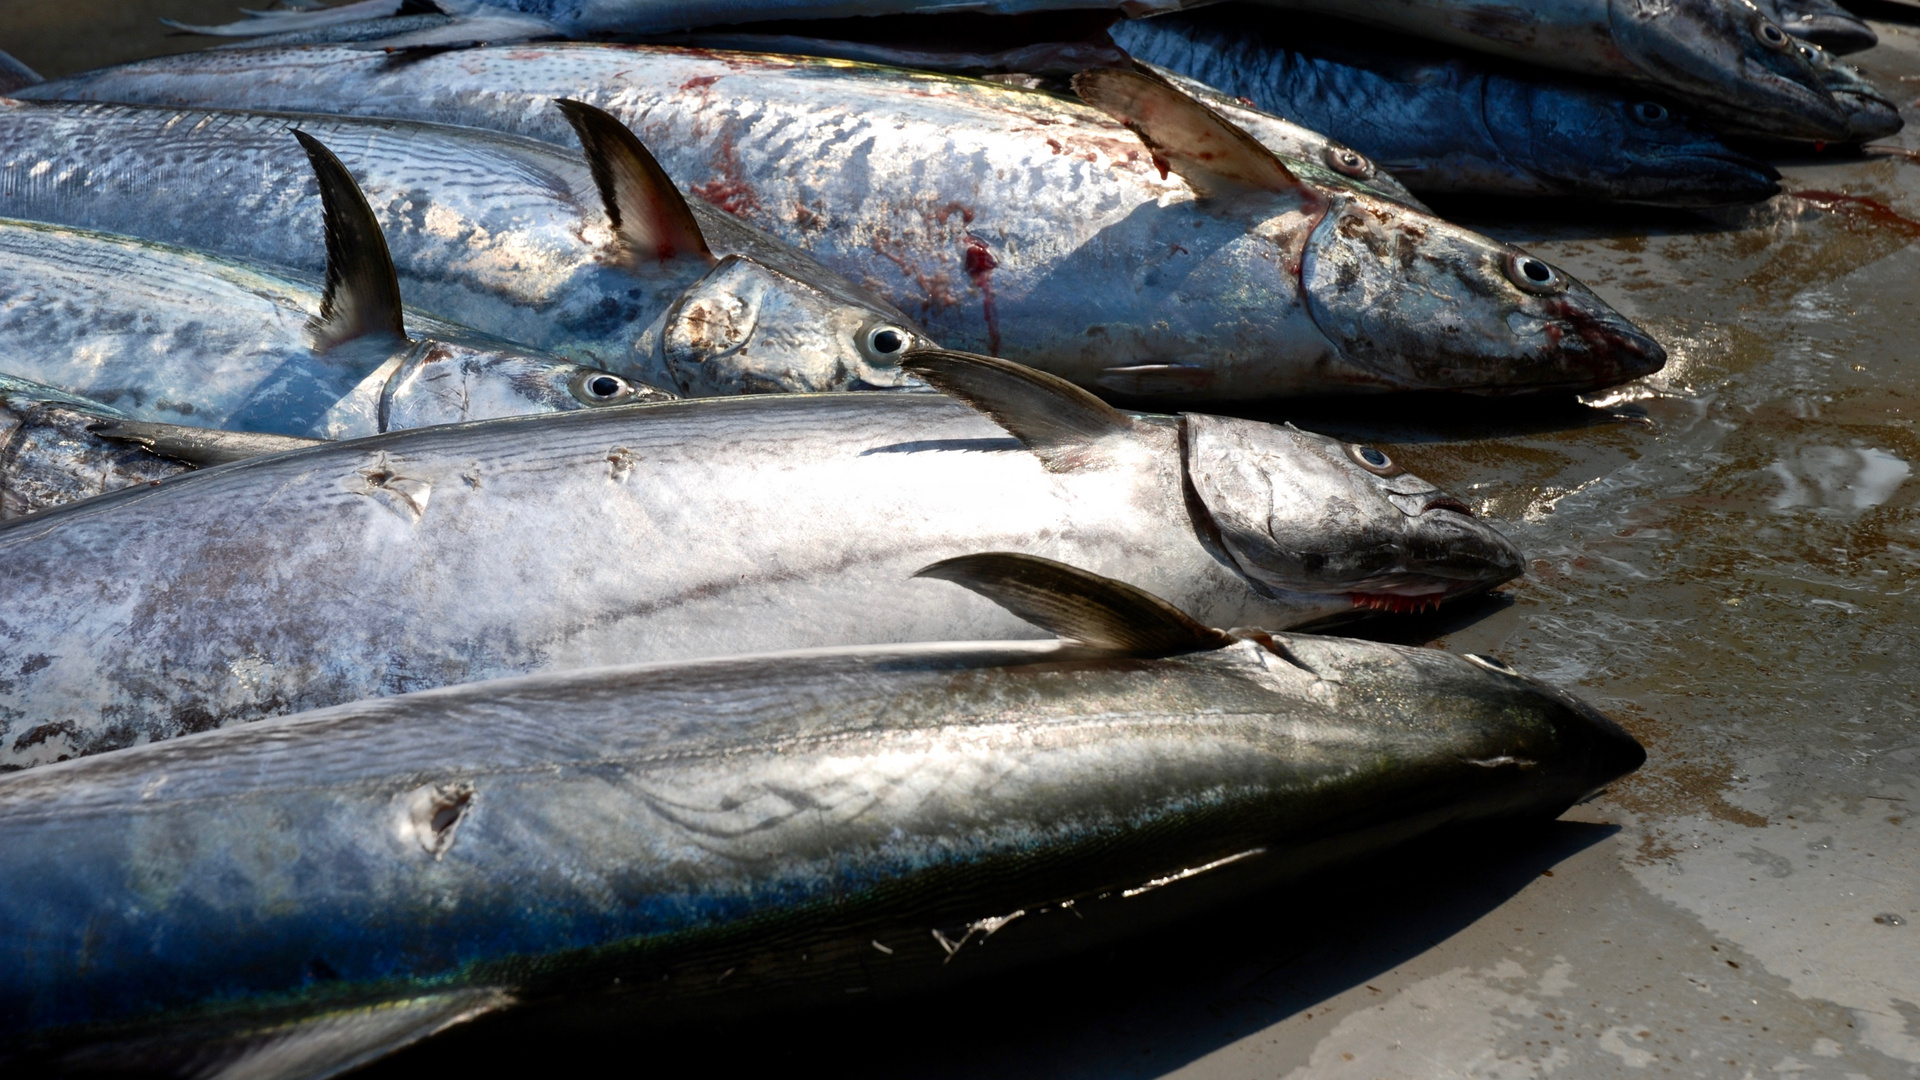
(1733, 56)
(1426, 305)
(1304, 514)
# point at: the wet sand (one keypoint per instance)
(1724, 557)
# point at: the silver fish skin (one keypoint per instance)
(676, 841)
(780, 521)
(1822, 22)
(49, 453)
(1005, 221)
(1719, 52)
(1870, 113)
(164, 333)
(1448, 124)
(502, 234)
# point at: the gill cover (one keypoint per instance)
(1297, 512)
(447, 382)
(746, 328)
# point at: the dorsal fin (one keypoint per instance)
(15, 75)
(198, 446)
(363, 290)
(1078, 604)
(1213, 155)
(649, 215)
(1056, 420)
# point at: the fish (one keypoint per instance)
(57, 448)
(1870, 113)
(164, 333)
(1822, 22)
(645, 844)
(1012, 222)
(511, 237)
(1718, 53)
(1451, 124)
(693, 528)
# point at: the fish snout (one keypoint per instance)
(1597, 347)
(1446, 542)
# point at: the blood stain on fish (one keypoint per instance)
(980, 265)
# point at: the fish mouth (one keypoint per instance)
(1698, 180)
(1597, 350)
(1794, 109)
(1869, 117)
(1410, 594)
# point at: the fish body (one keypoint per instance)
(50, 454)
(502, 234)
(662, 842)
(1718, 52)
(463, 552)
(164, 333)
(1005, 221)
(1450, 124)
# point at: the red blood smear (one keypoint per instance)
(1403, 605)
(979, 264)
(1856, 206)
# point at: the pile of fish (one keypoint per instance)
(566, 513)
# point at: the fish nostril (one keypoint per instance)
(1443, 503)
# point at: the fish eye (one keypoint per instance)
(1650, 112)
(1772, 36)
(885, 343)
(1348, 162)
(602, 388)
(1491, 664)
(1373, 459)
(1534, 276)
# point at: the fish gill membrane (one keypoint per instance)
(1718, 53)
(1055, 240)
(443, 555)
(1444, 123)
(673, 841)
(164, 333)
(577, 255)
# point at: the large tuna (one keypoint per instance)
(1181, 263)
(642, 844)
(709, 527)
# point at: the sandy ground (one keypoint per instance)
(1724, 557)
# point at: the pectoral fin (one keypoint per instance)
(363, 289)
(311, 1048)
(648, 214)
(198, 446)
(1079, 604)
(1213, 155)
(1061, 423)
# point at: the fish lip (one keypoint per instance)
(1412, 594)
(1447, 502)
(1811, 108)
(1873, 118)
(1709, 179)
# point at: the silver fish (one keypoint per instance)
(506, 235)
(1014, 222)
(1708, 52)
(1452, 124)
(670, 841)
(456, 553)
(1822, 22)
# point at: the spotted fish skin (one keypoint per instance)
(1450, 124)
(674, 841)
(450, 554)
(1004, 221)
(502, 234)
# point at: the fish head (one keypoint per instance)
(1303, 513)
(1511, 744)
(747, 327)
(441, 381)
(1729, 53)
(1870, 115)
(1427, 305)
(1595, 144)
(1822, 22)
